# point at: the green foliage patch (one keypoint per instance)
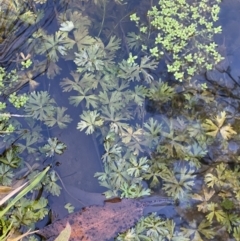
(183, 32)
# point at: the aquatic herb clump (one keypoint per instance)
(183, 33)
(18, 143)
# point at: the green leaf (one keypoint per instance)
(90, 120)
(29, 141)
(52, 44)
(118, 173)
(204, 198)
(194, 231)
(194, 153)
(90, 99)
(11, 158)
(214, 211)
(230, 221)
(31, 238)
(54, 146)
(111, 151)
(53, 69)
(59, 118)
(39, 204)
(113, 99)
(154, 176)
(82, 38)
(112, 46)
(219, 179)
(80, 82)
(90, 58)
(68, 85)
(173, 144)
(28, 17)
(133, 71)
(146, 65)
(153, 128)
(134, 139)
(116, 118)
(178, 184)
(69, 207)
(29, 211)
(160, 92)
(126, 71)
(39, 105)
(196, 130)
(134, 191)
(137, 167)
(76, 17)
(227, 204)
(139, 94)
(236, 233)
(50, 184)
(6, 175)
(214, 127)
(134, 41)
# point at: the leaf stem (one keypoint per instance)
(103, 19)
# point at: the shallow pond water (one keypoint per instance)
(126, 117)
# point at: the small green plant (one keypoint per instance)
(153, 227)
(18, 101)
(26, 211)
(183, 33)
(53, 146)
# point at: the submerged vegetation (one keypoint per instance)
(144, 90)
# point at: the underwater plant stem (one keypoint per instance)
(149, 22)
(97, 150)
(16, 115)
(124, 39)
(13, 115)
(110, 34)
(64, 187)
(103, 19)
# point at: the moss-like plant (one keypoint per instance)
(183, 33)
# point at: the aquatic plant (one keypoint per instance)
(111, 105)
(20, 139)
(183, 33)
(153, 227)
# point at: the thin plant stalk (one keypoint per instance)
(103, 19)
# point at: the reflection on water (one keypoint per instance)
(179, 139)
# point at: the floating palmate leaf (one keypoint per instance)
(90, 120)
(40, 105)
(215, 126)
(54, 146)
(100, 223)
(58, 118)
